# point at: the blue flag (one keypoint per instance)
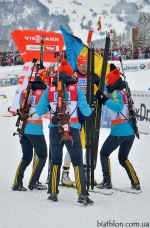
(73, 45)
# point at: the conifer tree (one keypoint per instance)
(114, 40)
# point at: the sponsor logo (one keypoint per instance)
(23, 53)
(33, 99)
(32, 47)
(71, 87)
(82, 81)
(38, 92)
(52, 89)
(25, 68)
(131, 68)
(38, 38)
(143, 113)
(56, 96)
(51, 48)
(142, 66)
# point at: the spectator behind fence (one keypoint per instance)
(9, 61)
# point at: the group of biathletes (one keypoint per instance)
(121, 135)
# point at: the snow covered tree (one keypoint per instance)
(143, 30)
(114, 40)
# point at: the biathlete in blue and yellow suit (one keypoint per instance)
(122, 133)
(81, 74)
(76, 98)
(33, 137)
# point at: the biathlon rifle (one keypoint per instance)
(60, 116)
(130, 103)
(23, 111)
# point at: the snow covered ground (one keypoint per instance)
(32, 209)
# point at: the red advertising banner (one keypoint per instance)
(28, 44)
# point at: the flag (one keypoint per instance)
(132, 34)
(89, 37)
(10, 42)
(99, 24)
(75, 47)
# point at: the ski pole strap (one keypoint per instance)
(73, 111)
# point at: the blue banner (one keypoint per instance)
(9, 81)
(105, 120)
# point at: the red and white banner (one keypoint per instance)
(22, 83)
(28, 44)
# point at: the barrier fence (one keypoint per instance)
(8, 81)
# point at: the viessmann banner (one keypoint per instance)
(134, 65)
(28, 44)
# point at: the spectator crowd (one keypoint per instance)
(14, 58)
(10, 58)
(126, 53)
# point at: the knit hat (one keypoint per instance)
(82, 59)
(112, 76)
(65, 67)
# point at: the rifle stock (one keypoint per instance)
(23, 111)
(131, 103)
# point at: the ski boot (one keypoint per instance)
(53, 198)
(136, 186)
(38, 186)
(85, 200)
(65, 180)
(104, 184)
(19, 188)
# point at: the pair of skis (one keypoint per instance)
(89, 130)
(93, 122)
(107, 192)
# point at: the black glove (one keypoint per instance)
(49, 107)
(101, 97)
(112, 66)
(93, 106)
